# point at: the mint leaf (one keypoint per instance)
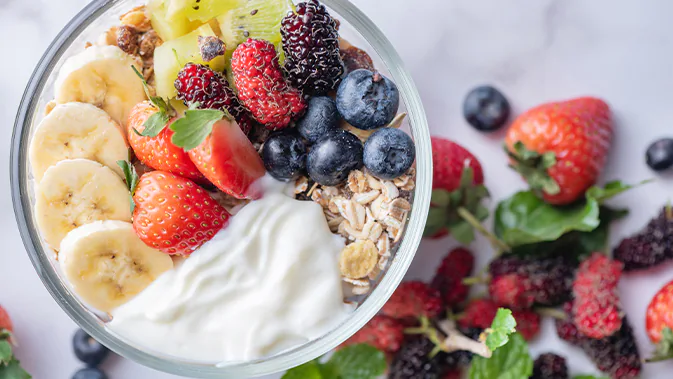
(360, 361)
(5, 352)
(131, 178)
(511, 361)
(194, 127)
(502, 327)
(308, 370)
(13, 370)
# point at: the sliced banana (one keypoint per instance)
(75, 192)
(77, 130)
(102, 76)
(107, 264)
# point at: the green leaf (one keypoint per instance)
(589, 377)
(155, 124)
(13, 370)
(664, 349)
(6, 354)
(502, 327)
(308, 370)
(597, 239)
(462, 232)
(511, 361)
(360, 361)
(194, 127)
(131, 178)
(610, 190)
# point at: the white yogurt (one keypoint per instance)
(268, 282)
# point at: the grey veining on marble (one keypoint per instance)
(534, 50)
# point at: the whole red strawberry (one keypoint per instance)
(660, 313)
(5, 321)
(457, 182)
(560, 148)
(175, 215)
(261, 86)
(412, 300)
(597, 310)
(158, 152)
(527, 323)
(448, 280)
(383, 332)
(479, 313)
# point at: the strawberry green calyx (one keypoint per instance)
(196, 125)
(158, 121)
(664, 349)
(131, 179)
(534, 167)
(10, 367)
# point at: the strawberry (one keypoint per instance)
(457, 185)
(156, 150)
(412, 300)
(174, 214)
(220, 150)
(660, 313)
(5, 321)
(560, 148)
(383, 332)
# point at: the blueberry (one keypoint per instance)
(89, 373)
(486, 109)
(332, 158)
(389, 153)
(367, 100)
(88, 350)
(321, 118)
(284, 155)
(660, 154)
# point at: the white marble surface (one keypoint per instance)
(534, 50)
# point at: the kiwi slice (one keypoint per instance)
(259, 19)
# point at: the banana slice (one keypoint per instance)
(77, 130)
(75, 192)
(102, 76)
(107, 264)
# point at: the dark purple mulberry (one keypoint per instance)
(550, 366)
(413, 361)
(649, 248)
(616, 355)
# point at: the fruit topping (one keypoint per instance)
(550, 366)
(659, 154)
(88, 350)
(169, 26)
(383, 332)
(560, 148)
(320, 119)
(261, 86)
(332, 158)
(367, 100)
(284, 155)
(258, 19)
(200, 84)
(448, 279)
(220, 150)
(414, 299)
(311, 46)
(486, 109)
(175, 215)
(650, 247)
(210, 47)
(389, 153)
(354, 58)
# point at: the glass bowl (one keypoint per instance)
(96, 18)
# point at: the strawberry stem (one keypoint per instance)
(534, 167)
(473, 280)
(497, 244)
(552, 312)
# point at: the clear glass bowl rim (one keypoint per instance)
(405, 254)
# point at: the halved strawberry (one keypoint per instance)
(220, 150)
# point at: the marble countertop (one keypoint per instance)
(533, 50)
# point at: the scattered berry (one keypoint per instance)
(413, 361)
(560, 148)
(164, 199)
(332, 158)
(311, 46)
(413, 299)
(486, 109)
(660, 313)
(651, 247)
(550, 366)
(367, 100)
(197, 83)
(5, 321)
(355, 58)
(320, 119)
(453, 374)
(479, 313)
(448, 279)
(383, 332)
(284, 155)
(660, 154)
(543, 281)
(616, 355)
(596, 309)
(566, 329)
(88, 350)
(89, 373)
(261, 86)
(527, 323)
(389, 153)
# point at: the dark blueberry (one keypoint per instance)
(321, 118)
(284, 155)
(332, 158)
(89, 373)
(486, 109)
(660, 154)
(87, 349)
(389, 153)
(367, 100)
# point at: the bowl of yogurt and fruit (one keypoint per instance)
(221, 188)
